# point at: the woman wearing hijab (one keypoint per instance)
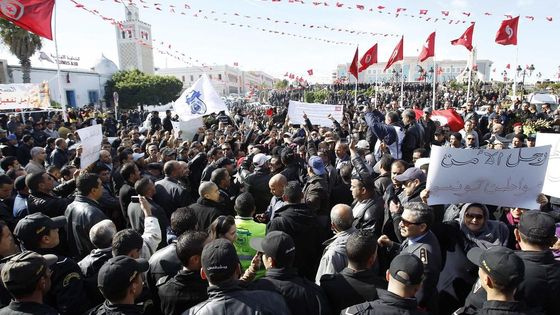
(472, 229)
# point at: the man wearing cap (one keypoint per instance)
(39, 233)
(414, 226)
(316, 190)
(540, 287)
(413, 181)
(405, 276)
(517, 130)
(28, 279)
(120, 282)
(257, 182)
(170, 193)
(301, 223)
(301, 295)
(220, 266)
(500, 271)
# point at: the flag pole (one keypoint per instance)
(434, 87)
(515, 73)
(62, 103)
(356, 86)
(470, 76)
(375, 97)
(402, 83)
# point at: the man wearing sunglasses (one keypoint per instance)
(415, 223)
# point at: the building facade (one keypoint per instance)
(414, 71)
(132, 54)
(226, 79)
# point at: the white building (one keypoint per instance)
(132, 54)
(225, 79)
(447, 70)
(79, 86)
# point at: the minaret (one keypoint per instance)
(132, 53)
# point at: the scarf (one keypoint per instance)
(492, 233)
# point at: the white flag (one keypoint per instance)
(199, 100)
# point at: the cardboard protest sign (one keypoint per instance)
(317, 113)
(552, 180)
(509, 178)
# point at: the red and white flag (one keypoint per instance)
(423, 12)
(354, 65)
(428, 49)
(508, 66)
(310, 71)
(32, 15)
(465, 39)
(447, 117)
(369, 58)
(507, 34)
(236, 64)
(396, 55)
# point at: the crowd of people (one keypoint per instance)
(254, 215)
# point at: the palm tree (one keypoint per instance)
(22, 44)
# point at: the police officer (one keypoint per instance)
(405, 277)
(39, 233)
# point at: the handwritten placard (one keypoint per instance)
(552, 180)
(90, 138)
(509, 178)
(317, 113)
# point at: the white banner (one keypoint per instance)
(25, 95)
(317, 113)
(509, 178)
(199, 100)
(90, 140)
(552, 180)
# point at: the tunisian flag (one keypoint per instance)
(354, 65)
(32, 15)
(396, 55)
(507, 34)
(369, 58)
(428, 50)
(447, 117)
(465, 39)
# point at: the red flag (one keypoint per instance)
(428, 50)
(269, 112)
(445, 117)
(423, 12)
(369, 58)
(549, 18)
(396, 55)
(507, 34)
(508, 66)
(465, 39)
(32, 15)
(446, 13)
(310, 71)
(354, 65)
(235, 64)
(360, 7)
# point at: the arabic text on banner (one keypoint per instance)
(91, 138)
(509, 178)
(25, 95)
(552, 180)
(317, 113)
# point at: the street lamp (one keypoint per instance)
(504, 74)
(528, 71)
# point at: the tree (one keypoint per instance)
(281, 85)
(135, 87)
(22, 44)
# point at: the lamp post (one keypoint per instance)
(504, 75)
(528, 71)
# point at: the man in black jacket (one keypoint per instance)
(170, 193)
(130, 173)
(83, 213)
(257, 182)
(59, 157)
(185, 289)
(146, 188)
(301, 295)
(367, 209)
(298, 221)
(207, 207)
(42, 196)
(221, 267)
(404, 276)
(414, 135)
(356, 283)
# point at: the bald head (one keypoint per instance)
(105, 157)
(101, 234)
(341, 217)
(277, 184)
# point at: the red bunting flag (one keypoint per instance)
(32, 15)
(487, 13)
(465, 39)
(354, 65)
(310, 71)
(369, 58)
(507, 33)
(530, 17)
(401, 10)
(428, 49)
(380, 7)
(508, 66)
(467, 13)
(549, 18)
(446, 13)
(236, 64)
(339, 5)
(360, 7)
(423, 12)
(396, 55)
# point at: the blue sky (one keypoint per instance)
(85, 35)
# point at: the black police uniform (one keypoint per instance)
(183, 291)
(387, 304)
(25, 308)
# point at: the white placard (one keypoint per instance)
(188, 128)
(90, 140)
(509, 178)
(552, 180)
(317, 113)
